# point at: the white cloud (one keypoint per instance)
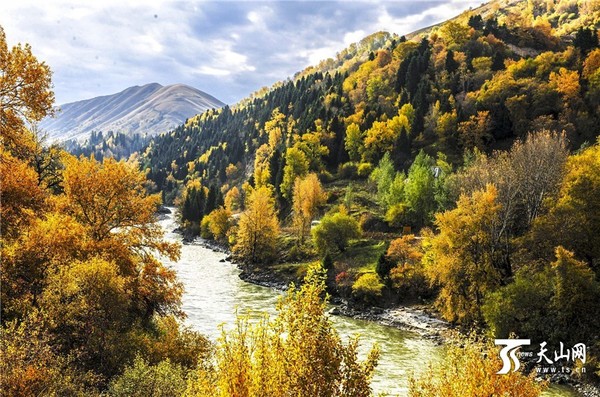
(354, 37)
(409, 23)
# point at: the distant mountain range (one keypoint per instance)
(148, 110)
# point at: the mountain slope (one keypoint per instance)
(478, 81)
(147, 110)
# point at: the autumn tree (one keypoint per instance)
(233, 200)
(476, 132)
(25, 95)
(258, 227)
(308, 197)
(296, 164)
(538, 163)
(311, 144)
(25, 98)
(117, 204)
(83, 291)
(383, 135)
(31, 366)
(524, 177)
(218, 223)
(354, 142)
(567, 83)
(463, 258)
(454, 34)
(22, 196)
(277, 130)
(86, 302)
(406, 273)
(262, 173)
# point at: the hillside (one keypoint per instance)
(480, 80)
(144, 110)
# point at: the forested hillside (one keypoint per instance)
(479, 81)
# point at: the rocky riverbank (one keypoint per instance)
(418, 319)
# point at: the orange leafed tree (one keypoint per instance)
(25, 94)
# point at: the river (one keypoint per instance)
(214, 292)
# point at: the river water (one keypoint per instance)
(214, 293)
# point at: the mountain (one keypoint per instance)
(146, 110)
(478, 81)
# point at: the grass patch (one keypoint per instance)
(362, 254)
(291, 271)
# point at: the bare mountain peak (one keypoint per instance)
(147, 109)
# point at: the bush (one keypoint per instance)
(334, 232)
(144, 380)
(325, 176)
(348, 171)
(205, 228)
(297, 354)
(410, 281)
(367, 288)
(365, 169)
(471, 371)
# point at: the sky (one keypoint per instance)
(228, 49)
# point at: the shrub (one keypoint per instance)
(297, 354)
(365, 169)
(334, 232)
(205, 228)
(368, 288)
(471, 371)
(144, 380)
(347, 171)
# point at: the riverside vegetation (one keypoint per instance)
(479, 136)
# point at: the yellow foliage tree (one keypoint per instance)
(262, 173)
(233, 199)
(573, 219)
(308, 197)
(258, 227)
(567, 83)
(460, 259)
(296, 164)
(109, 199)
(219, 223)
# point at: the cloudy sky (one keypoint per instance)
(226, 48)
